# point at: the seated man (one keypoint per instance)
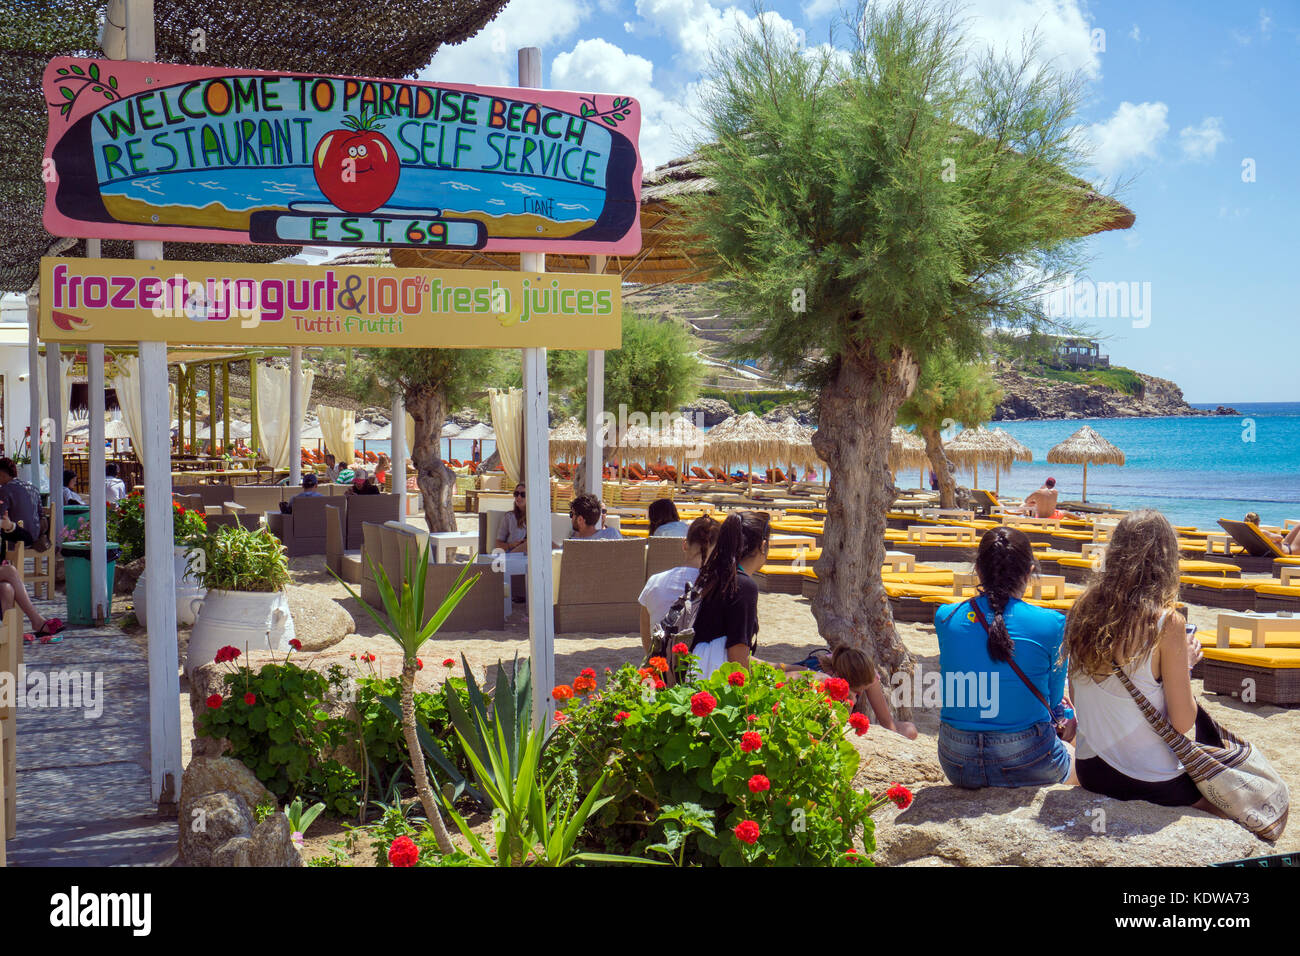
(1042, 503)
(308, 491)
(332, 468)
(1290, 542)
(114, 487)
(19, 502)
(585, 512)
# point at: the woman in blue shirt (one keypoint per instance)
(994, 730)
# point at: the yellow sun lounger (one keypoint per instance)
(1265, 675)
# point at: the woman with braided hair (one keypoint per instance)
(1003, 676)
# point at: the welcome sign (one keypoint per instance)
(186, 153)
(237, 304)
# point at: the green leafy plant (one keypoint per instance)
(126, 525)
(238, 559)
(754, 764)
(300, 819)
(405, 622)
(510, 706)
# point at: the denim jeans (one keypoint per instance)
(1024, 758)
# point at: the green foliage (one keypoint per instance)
(284, 735)
(510, 710)
(125, 521)
(456, 373)
(237, 559)
(655, 369)
(950, 388)
(1116, 378)
(673, 774)
(759, 401)
(300, 819)
(888, 201)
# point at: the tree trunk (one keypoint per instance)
(857, 409)
(431, 811)
(428, 407)
(939, 462)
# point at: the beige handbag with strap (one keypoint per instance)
(1236, 777)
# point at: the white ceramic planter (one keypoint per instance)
(187, 589)
(248, 620)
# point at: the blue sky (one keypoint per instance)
(1181, 94)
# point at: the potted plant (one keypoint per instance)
(74, 542)
(126, 526)
(245, 573)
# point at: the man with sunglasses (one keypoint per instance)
(587, 515)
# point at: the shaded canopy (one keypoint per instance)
(1085, 447)
(980, 446)
(906, 450)
(396, 38)
(799, 446)
(568, 440)
(680, 439)
(743, 438)
(478, 432)
(450, 430)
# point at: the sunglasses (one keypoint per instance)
(521, 494)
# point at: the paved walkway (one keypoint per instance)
(83, 780)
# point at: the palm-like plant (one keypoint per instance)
(404, 621)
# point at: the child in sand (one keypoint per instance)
(852, 665)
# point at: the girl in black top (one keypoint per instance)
(726, 627)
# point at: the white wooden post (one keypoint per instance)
(34, 389)
(541, 607)
(595, 407)
(58, 416)
(160, 577)
(295, 416)
(99, 598)
(397, 447)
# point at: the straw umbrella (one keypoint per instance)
(979, 446)
(744, 438)
(568, 440)
(449, 431)
(800, 452)
(907, 450)
(637, 437)
(681, 441)
(1085, 447)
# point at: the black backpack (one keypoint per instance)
(677, 626)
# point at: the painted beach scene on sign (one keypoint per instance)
(180, 153)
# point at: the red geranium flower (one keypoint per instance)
(370, 658)
(583, 684)
(659, 684)
(588, 672)
(563, 692)
(736, 678)
(561, 717)
(352, 657)
(751, 717)
(227, 653)
(836, 688)
(750, 741)
(403, 852)
(680, 648)
(449, 663)
(295, 644)
(901, 796)
(702, 704)
(660, 664)
(860, 723)
(780, 684)
(214, 701)
(759, 784)
(775, 706)
(621, 716)
(250, 698)
(747, 832)
(419, 664)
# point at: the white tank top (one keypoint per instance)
(1111, 725)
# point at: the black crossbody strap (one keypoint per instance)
(979, 615)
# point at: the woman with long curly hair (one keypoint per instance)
(1127, 618)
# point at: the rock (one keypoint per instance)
(1031, 397)
(205, 681)
(206, 775)
(318, 621)
(805, 413)
(707, 411)
(234, 852)
(1051, 826)
(210, 820)
(126, 574)
(889, 758)
(271, 844)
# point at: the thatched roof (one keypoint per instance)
(743, 439)
(1085, 447)
(395, 38)
(979, 446)
(568, 440)
(681, 436)
(799, 446)
(906, 450)
(636, 440)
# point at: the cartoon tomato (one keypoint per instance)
(357, 168)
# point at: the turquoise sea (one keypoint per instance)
(1195, 470)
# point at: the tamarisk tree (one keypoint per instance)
(869, 207)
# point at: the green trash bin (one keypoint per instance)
(76, 572)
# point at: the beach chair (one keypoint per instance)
(359, 510)
(480, 609)
(1260, 550)
(599, 584)
(303, 531)
(40, 578)
(700, 473)
(372, 555)
(1273, 672)
(346, 564)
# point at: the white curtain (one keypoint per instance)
(339, 426)
(126, 383)
(273, 411)
(507, 405)
(410, 434)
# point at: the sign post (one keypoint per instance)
(595, 472)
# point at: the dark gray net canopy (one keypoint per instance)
(375, 38)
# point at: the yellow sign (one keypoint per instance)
(233, 304)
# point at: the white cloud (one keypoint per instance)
(1132, 133)
(598, 66)
(697, 26)
(1064, 30)
(1200, 142)
(489, 57)
(816, 9)
(1135, 33)
(1265, 22)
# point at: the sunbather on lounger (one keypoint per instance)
(1042, 503)
(1290, 542)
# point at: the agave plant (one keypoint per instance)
(404, 621)
(511, 708)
